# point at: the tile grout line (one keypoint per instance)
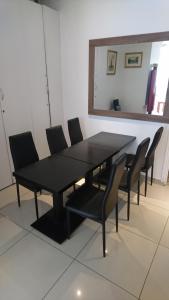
(76, 259)
(55, 247)
(137, 234)
(62, 251)
(17, 224)
(52, 286)
(15, 243)
(87, 242)
(153, 260)
(73, 260)
(101, 275)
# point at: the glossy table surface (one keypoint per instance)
(54, 173)
(98, 148)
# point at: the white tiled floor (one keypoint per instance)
(136, 266)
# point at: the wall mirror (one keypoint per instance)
(129, 77)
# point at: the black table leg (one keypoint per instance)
(89, 178)
(53, 224)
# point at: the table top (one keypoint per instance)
(98, 148)
(57, 172)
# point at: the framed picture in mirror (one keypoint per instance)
(111, 62)
(133, 59)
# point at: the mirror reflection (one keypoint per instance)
(132, 78)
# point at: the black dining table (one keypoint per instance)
(58, 172)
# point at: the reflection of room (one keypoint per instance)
(132, 86)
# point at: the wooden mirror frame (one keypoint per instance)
(131, 39)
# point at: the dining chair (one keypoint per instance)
(90, 202)
(149, 161)
(24, 153)
(56, 139)
(75, 132)
(131, 176)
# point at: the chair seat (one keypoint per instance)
(86, 201)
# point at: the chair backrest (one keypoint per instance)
(75, 132)
(138, 163)
(111, 194)
(56, 139)
(23, 150)
(152, 149)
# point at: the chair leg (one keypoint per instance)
(104, 238)
(117, 218)
(146, 178)
(128, 206)
(68, 223)
(18, 194)
(138, 191)
(36, 205)
(152, 169)
(74, 187)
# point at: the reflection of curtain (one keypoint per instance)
(150, 96)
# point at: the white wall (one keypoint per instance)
(129, 85)
(89, 19)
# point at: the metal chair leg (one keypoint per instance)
(117, 218)
(146, 178)
(68, 223)
(104, 238)
(152, 170)
(36, 205)
(138, 191)
(128, 206)
(18, 194)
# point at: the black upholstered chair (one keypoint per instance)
(75, 132)
(24, 153)
(56, 139)
(131, 175)
(149, 161)
(95, 204)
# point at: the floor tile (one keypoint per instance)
(127, 261)
(157, 283)
(165, 237)
(78, 239)
(10, 233)
(157, 195)
(78, 282)
(8, 195)
(145, 219)
(25, 215)
(29, 269)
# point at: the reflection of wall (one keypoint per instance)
(128, 84)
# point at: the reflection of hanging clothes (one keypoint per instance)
(150, 95)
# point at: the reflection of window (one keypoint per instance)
(162, 78)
